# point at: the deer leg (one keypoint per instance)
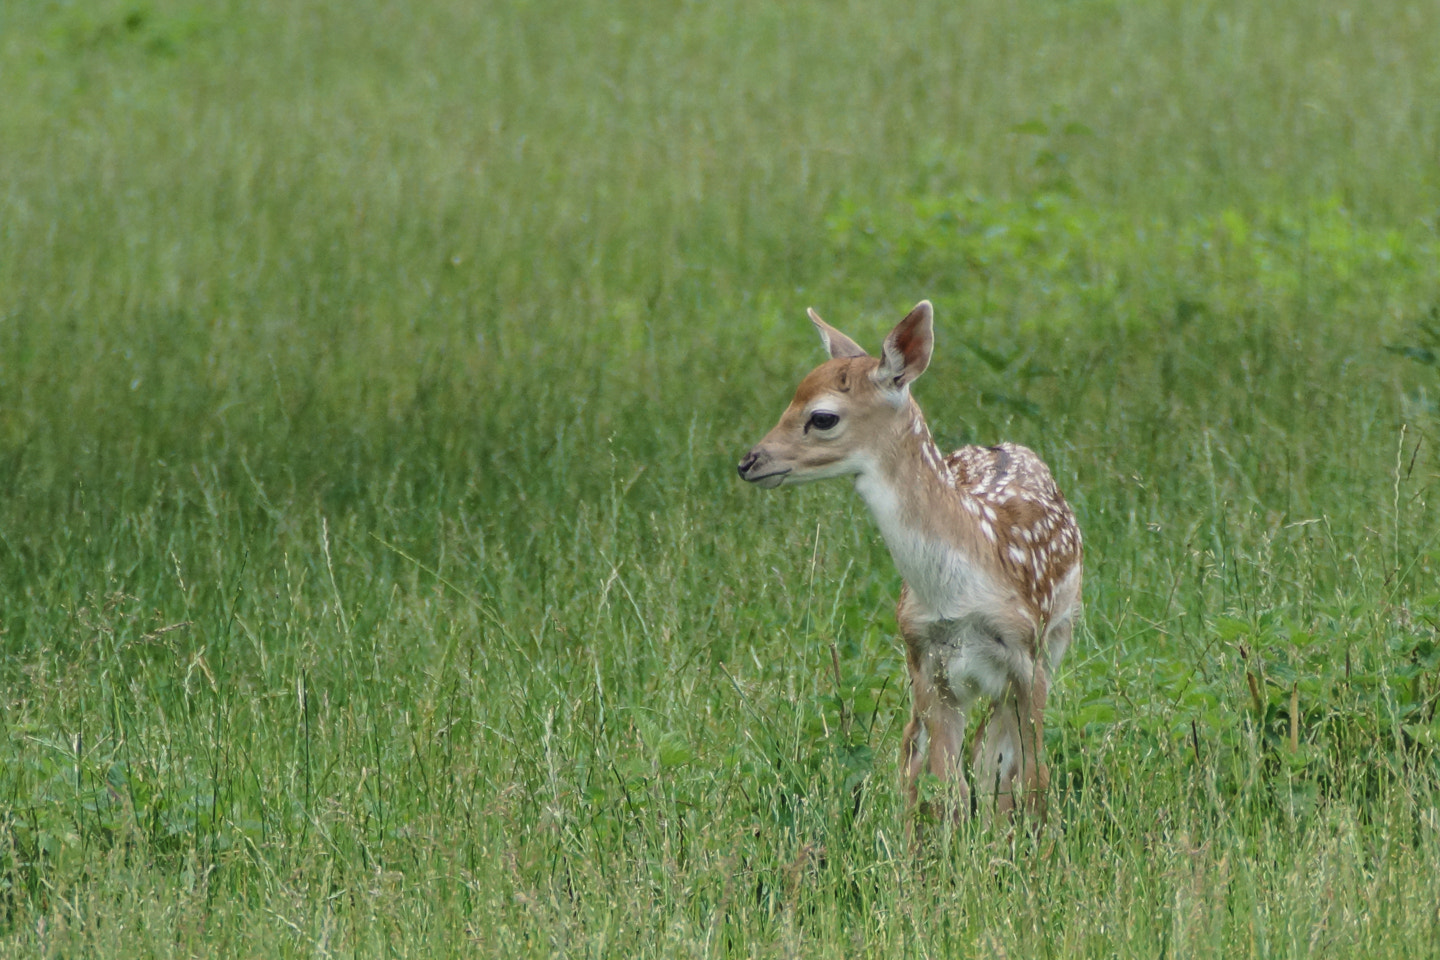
(997, 760)
(946, 734)
(934, 739)
(1035, 774)
(1011, 751)
(912, 758)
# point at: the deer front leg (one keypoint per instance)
(934, 739)
(912, 758)
(945, 729)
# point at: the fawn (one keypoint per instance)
(986, 544)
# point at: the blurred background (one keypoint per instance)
(373, 571)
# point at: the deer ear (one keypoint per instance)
(836, 343)
(906, 352)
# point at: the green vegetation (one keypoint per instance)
(374, 579)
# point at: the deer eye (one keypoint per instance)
(822, 421)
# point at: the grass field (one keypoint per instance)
(374, 576)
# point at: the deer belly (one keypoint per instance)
(977, 661)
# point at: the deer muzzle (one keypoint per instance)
(758, 468)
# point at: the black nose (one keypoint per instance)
(748, 462)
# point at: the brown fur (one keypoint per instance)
(983, 533)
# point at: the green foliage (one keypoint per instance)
(373, 574)
(1054, 259)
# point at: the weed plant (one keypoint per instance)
(374, 579)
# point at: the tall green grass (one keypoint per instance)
(373, 575)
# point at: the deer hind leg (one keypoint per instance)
(1009, 767)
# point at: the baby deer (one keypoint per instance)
(987, 546)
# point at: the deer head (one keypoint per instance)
(845, 409)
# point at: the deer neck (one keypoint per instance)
(911, 492)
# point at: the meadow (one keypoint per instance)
(374, 575)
